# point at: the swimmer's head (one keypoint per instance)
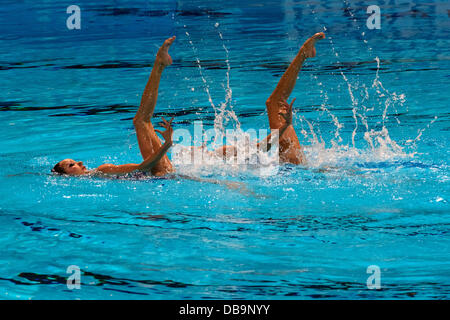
(70, 167)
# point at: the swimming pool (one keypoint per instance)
(372, 110)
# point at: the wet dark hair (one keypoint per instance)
(58, 169)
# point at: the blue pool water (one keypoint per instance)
(372, 110)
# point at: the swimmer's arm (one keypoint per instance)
(145, 165)
(109, 168)
(266, 144)
(152, 161)
(148, 163)
(286, 114)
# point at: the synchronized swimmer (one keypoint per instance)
(154, 153)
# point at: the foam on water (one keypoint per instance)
(253, 163)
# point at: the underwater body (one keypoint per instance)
(372, 112)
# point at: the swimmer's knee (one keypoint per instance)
(273, 102)
(138, 121)
(270, 106)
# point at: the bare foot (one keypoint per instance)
(163, 53)
(308, 48)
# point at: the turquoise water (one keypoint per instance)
(372, 110)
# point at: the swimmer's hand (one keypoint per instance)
(152, 161)
(168, 133)
(286, 111)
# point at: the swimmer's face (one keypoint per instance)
(72, 167)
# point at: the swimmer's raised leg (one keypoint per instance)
(290, 149)
(148, 141)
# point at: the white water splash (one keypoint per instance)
(224, 112)
(380, 146)
(350, 92)
(183, 156)
(203, 161)
(200, 70)
(420, 132)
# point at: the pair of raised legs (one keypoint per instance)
(290, 149)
